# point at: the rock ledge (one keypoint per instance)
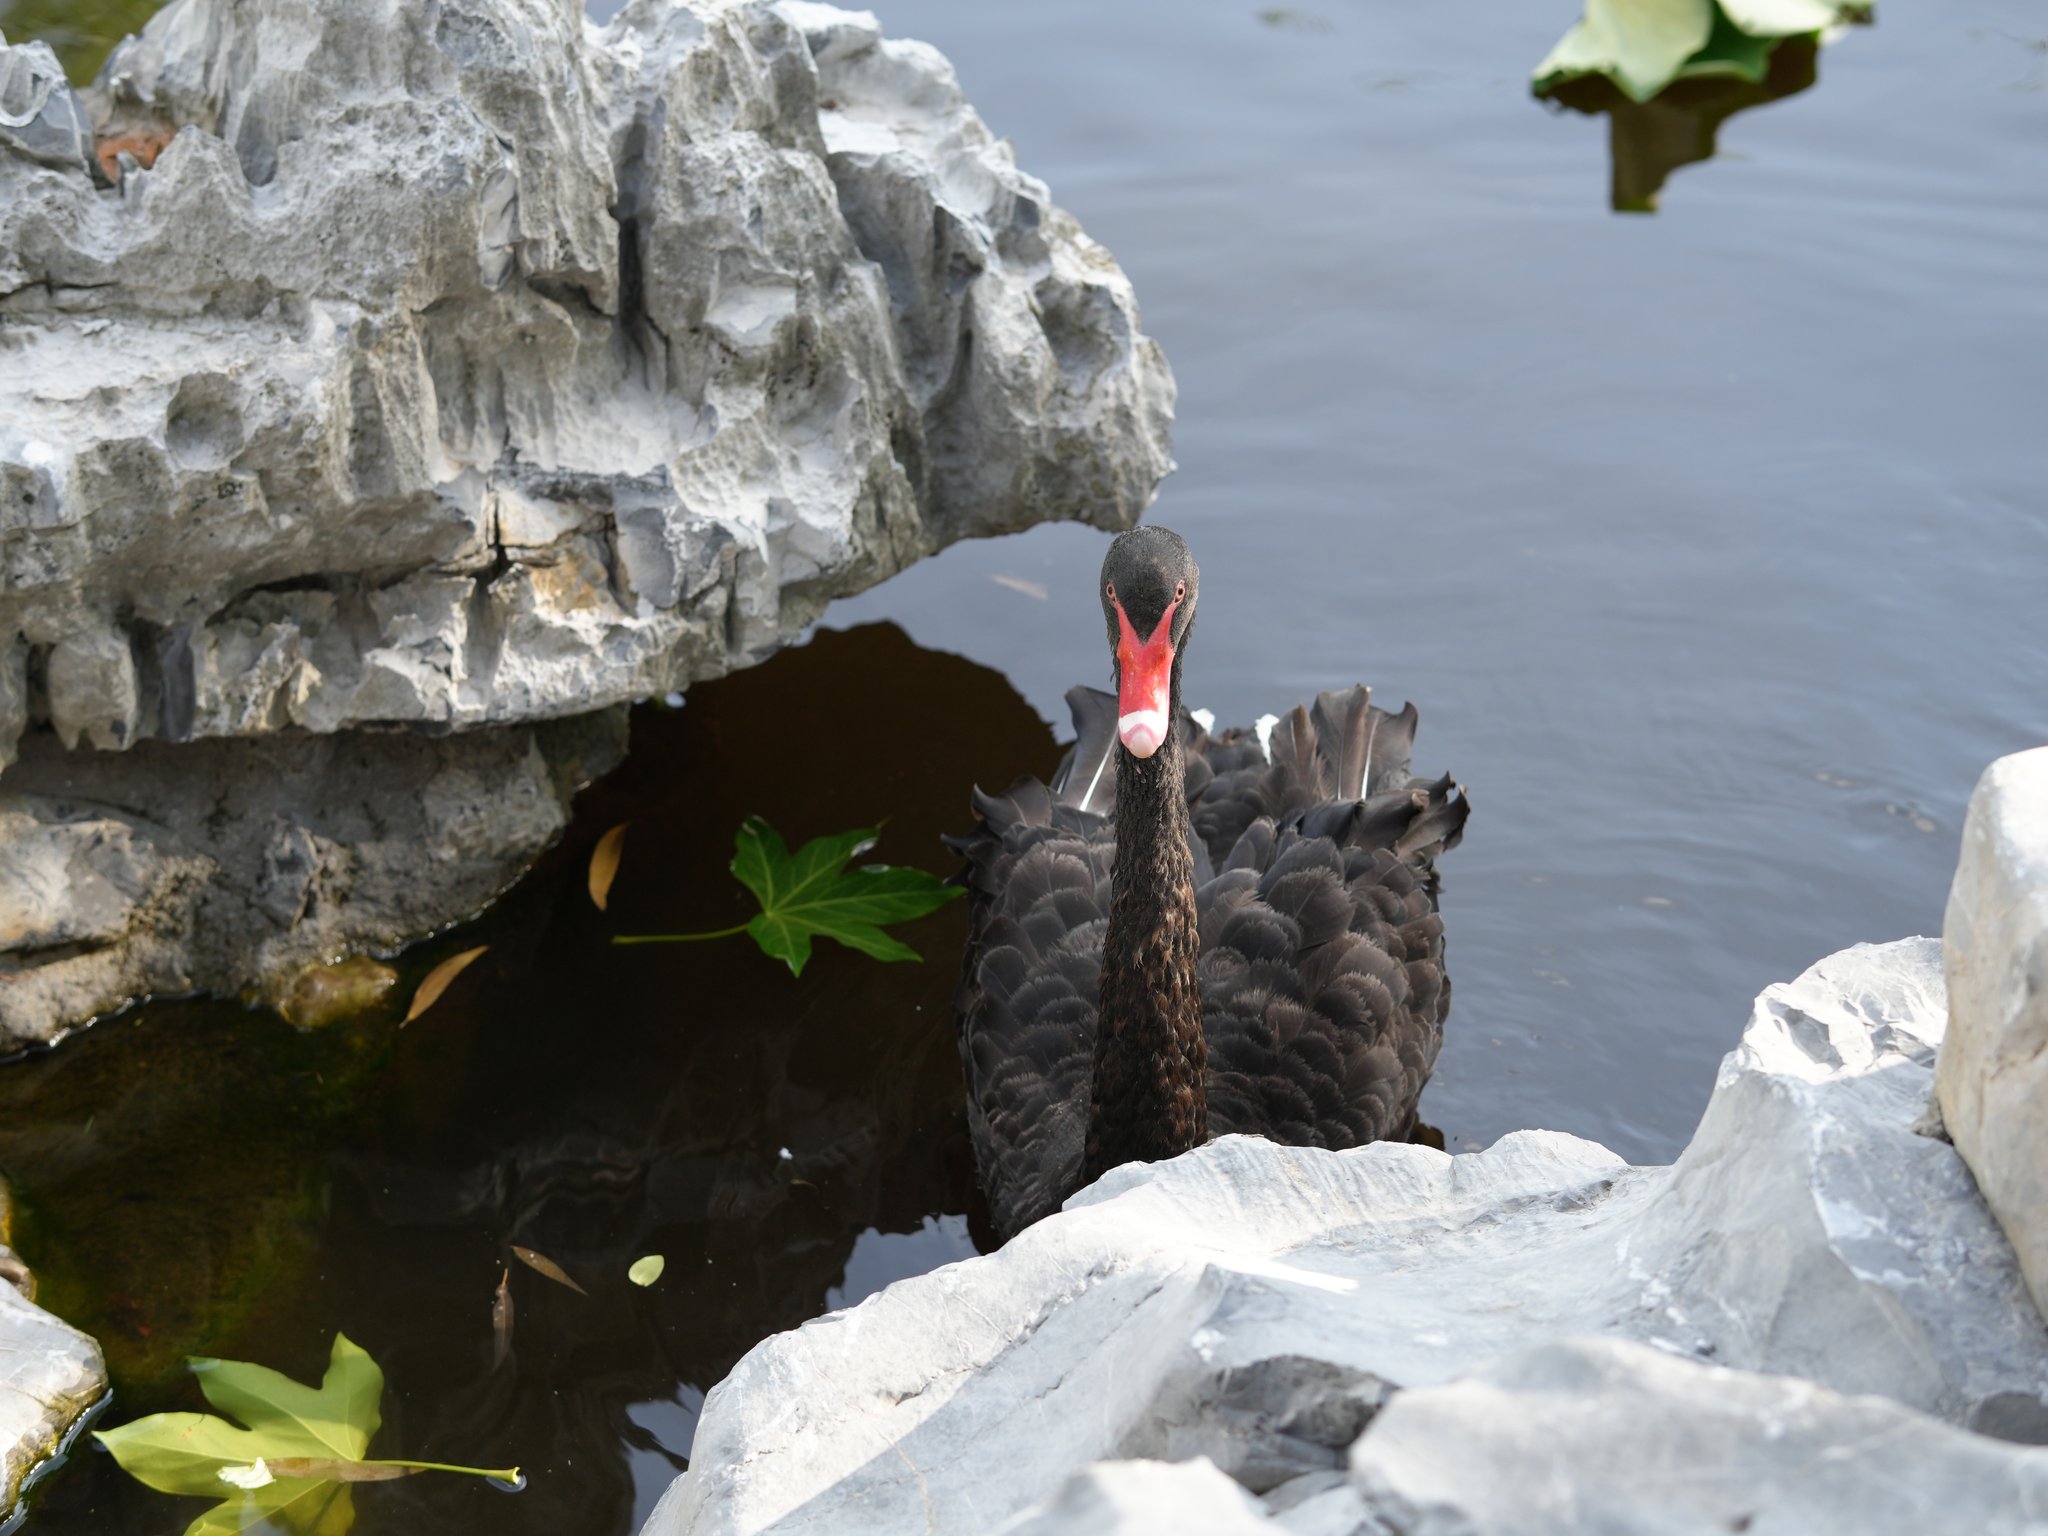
(1284, 1312)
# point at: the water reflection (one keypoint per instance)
(201, 1179)
(1648, 140)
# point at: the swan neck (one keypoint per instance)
(1149, 1097)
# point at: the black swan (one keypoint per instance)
(1188, 934)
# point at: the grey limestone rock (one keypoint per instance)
(1261, 1305)
(483, 366)
(50, 1375)
(470, 366)
(259, 859)
(1992, 1079)
(1597, 1437)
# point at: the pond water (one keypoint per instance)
(1711, 544)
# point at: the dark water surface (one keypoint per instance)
(1712, 545)
(198, 1178)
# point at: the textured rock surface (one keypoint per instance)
(257, 861)
(467, 365)
(1596, 1437)
(1992, 1079)
(50, 1374)
(1190, 1498)
(481, 366)
(1653, 1443)
(1256, 1304)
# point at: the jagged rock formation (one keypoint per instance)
(1274, 1309)
(468, 365)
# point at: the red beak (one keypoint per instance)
(1144, 683)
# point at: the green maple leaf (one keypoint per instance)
(291, 1467)
(812, 893)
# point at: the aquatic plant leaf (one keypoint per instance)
(1644, 45)
(181, 1452)
(811, 892)
(646, 1271)
(437, 981)
(1732, 53)
(540, 1263)
(306, 1509)
(1791, 18)
(335, 1419)
(288, 1469)
(604, 863)
(1639, 44)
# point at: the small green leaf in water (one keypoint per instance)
(648, 1270)
(812, 893)
(290, 1468)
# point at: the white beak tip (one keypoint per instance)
(1141, 731)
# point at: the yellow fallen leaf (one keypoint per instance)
(437, 981)
(542, 1264)
(604, 863)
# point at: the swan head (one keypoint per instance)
(1149, 587)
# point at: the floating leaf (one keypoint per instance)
(438, 979)
(1020, 584)
(290, 1466)
(1644, 45)
(1792, 18)
(812, 893)
(542, 1264)
(648, 1270)
(604, 863)
(1639, 44)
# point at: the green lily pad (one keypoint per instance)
(1644, 46)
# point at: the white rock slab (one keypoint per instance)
(50, 1374)
(1189, 1498)
(1588, 1437)
(1992, 1079)
(1255, 1303)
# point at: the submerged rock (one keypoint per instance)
(1992, 1080)
(1258, 1304)
(467, 366)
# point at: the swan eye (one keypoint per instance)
(1180, 590)
(1109, 590)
